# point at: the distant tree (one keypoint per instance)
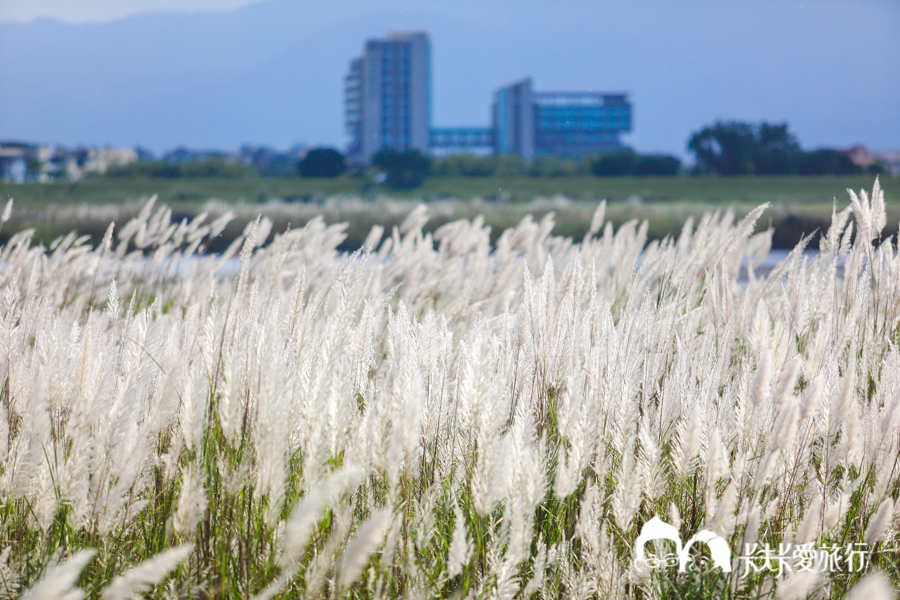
(877, 168)
(280, 165)
(615, 164)
(586, 164)
(215, 167)
(826, 161)
(404, 169)
(725, 148)
(144, 154)
(657, 165)
(464, 165)
(736, 148)
(777, 150)
(552, 166)
(509, 165)
(322, 162)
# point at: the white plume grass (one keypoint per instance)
(875, 586)
(367, 540)
(880, 522)
(7, 211)
(192, 503)
(141, 578)
(460, 546)
(798, 585)
(439, 414)
(59, 582)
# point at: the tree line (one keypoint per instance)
(216, 166)
(410, 168)
(725, 148)
(735, 148)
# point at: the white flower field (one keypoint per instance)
(439, 416)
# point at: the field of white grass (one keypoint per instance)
(437, 417)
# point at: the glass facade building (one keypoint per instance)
(513, 113)
(571, 124)
(353, 108)
(387, 104)
(387, 96)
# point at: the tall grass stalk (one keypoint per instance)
(436, 416)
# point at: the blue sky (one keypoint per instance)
(828, 68)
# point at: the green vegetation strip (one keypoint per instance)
(789, 189)
(800, 205)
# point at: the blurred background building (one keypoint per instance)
(28, 161)
(564, 124)
(576, 123)
(387, 105)
(388, 96)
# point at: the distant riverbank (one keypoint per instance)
(712, 191)
(789, 220)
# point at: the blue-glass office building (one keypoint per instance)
(387, 104)
(387, 96)
(513, 112)
(571, 124)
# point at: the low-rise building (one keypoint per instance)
(27, 161)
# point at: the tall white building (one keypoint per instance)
(387, 96)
